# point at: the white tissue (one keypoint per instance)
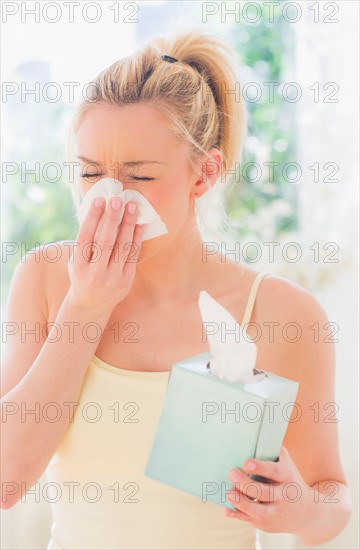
(109, 187)
(234, 355)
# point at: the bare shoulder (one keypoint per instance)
(286, 298)
(289, 325)
(56, 255)
(55, 258)
(297, 326)
(306, 336)
(277, 297)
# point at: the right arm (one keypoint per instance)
(51, 369)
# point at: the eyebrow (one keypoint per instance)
(128, 163)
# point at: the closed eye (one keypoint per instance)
(144, 179)
(89, 176)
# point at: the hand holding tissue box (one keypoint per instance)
(109, 187)
(219, 411)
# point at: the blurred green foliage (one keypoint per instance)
(262, 201)
(36, 197)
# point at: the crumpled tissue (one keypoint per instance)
(109, 187)
(233, 355)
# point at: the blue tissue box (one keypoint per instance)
(208, 426)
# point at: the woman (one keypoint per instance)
(98, 373)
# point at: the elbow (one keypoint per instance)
(7, 502)
(10, 494)
(347, 508)
(343, 515)
(343, 522)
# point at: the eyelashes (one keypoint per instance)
(91, 176)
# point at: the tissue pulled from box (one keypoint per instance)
(109, 187)
(234, 353)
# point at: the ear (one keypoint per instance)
(210, 168)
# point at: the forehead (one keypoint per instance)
(125, 131)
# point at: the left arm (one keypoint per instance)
(317, 503)
(329, 510)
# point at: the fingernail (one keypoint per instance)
(99, 202)
(250, 466)
(131, 207)
(116, 203)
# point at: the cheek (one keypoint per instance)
(170, 200)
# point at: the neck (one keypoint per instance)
(174, 273)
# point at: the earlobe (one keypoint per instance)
(211, 168)
(209, 172)
(200, 187)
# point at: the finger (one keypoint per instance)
(245, 505)
(109, 230)
(123, 244)
(274, 471)
(83, 252)
(236, 514)
(264, 492)
(131, 262)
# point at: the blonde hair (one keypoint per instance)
(197, 94)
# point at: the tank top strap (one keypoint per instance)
(252, 296)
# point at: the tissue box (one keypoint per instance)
(209, 426)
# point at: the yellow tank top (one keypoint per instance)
(99, 495)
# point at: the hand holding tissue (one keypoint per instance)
(109, 187)
(214, 419)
